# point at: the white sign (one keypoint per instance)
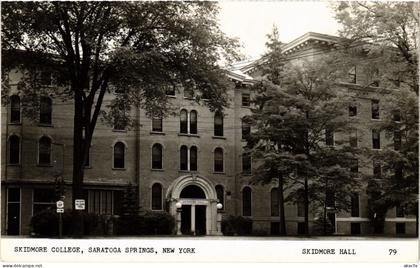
(60, 204)
(79, 204)
(60, 210)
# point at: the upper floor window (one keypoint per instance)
(183, 158)
(45, 110)
(193, 122)
(397, 115)
(246, 129)
(329, 137)
(354, 165)
(353, 138)
(274, 202)
(220, 195)
(353, 109)
(218, 124)
(355, 205)
(157, 156)
(119, 155)
(193, 158)
(375, 109)
(170, 90)
(352, 75)
(14, 150)
(157, 124)
(376, 139)
(14, 109)
(183, 121)
(218, 160)
(246, 201)
(400, 213)
(188, 92)
(246, 163)
(157, 196)
(246, 100)
(44, 151)
(377, 169)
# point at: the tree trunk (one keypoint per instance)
(306, 202)
(281, 205)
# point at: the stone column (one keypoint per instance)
(193, 219)
(178, 221)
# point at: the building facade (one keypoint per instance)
(194, 160)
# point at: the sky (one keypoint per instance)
(251, 21)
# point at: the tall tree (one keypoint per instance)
(379, 26)
(133, 50)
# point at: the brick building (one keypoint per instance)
(194, 159)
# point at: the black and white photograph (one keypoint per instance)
(209, 131)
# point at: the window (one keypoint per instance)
(245, 99)
(120, 122)
(14, 109)
(246, 129)
(183, 122)
(45, 110)
(246, 163)
(376, 139)
(300, 208)
(119, 155)
(353, 109)
(330, 199)
(170, 90)
(375, 80)
(375, 109)
(183, 158)
(377, 169)
(397, 140)
(157, 196)
(399, 211)
(157, 124)
(193, 158)
(44, 151)
(43, 199)
(397, 115)
(274, 202)
(354, 166)
(329, 137)
(188, 93)
(220, 195)
(353, 138)
(157, 156)
(355, 205)
(218, 160)
(355, 228)
(246, 202)
(400, 228)
(13, 211)
(101, 202)
(193, 122)
(14, 150)
(218, 124)
(352, 75)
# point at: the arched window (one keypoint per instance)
(119, 155)
(246, 129)
(183, 158)
(218, 160)
(157, 196)
(193, 158)
(44, 151)
(157, 156)
(193, 122)
(220, 195)
(14, 150)
(246, 201)
(45, 110)
(218, 124)
(14, 109)
(274, 202)
(183, 122)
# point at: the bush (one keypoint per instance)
(151, 223)
(236, 225)
(45, 223)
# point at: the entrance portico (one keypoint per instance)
(193, 202)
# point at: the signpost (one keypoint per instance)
(60, 211)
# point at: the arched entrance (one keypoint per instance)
(197, 212)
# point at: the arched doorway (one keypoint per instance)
(197, 212)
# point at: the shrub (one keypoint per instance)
(236, 225)
(151, 223)
(45, 223)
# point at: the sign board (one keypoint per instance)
(79, 204)
(60, 210)
(60, 204)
